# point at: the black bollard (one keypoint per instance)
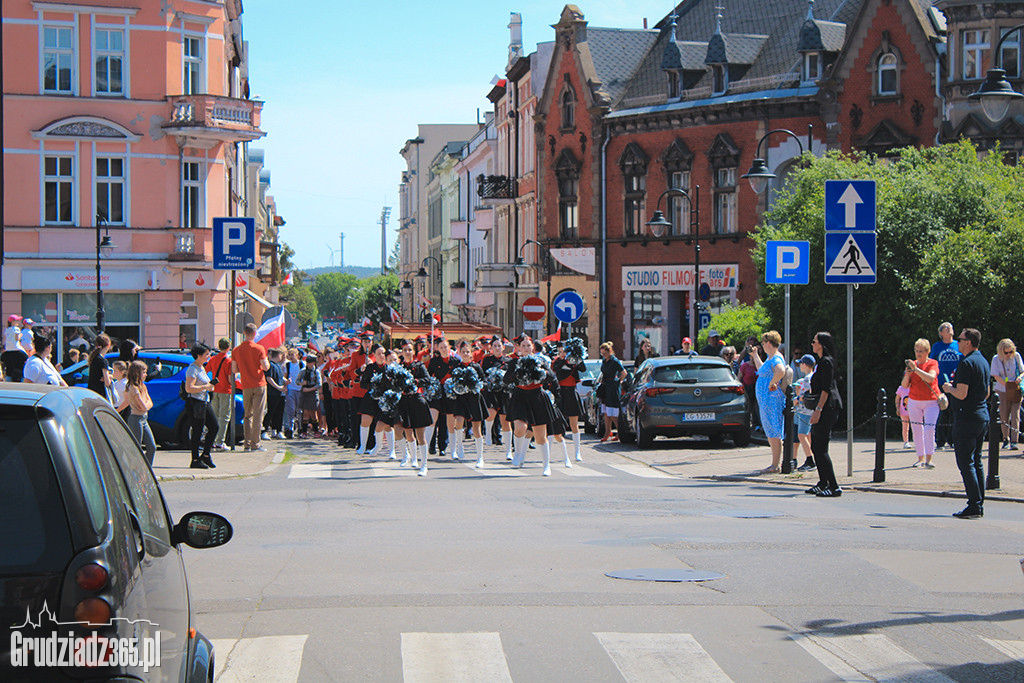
(995, 437)
(880, 423)
(787, 441)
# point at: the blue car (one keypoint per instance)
(166, 372)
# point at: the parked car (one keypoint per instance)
(678, 396)
(88, 547)
(592, 403)
(166, 371)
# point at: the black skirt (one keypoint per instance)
(569, 402)
(471, 407)
(368, 405)
(531, 406)
(495, 400)
(414, 412)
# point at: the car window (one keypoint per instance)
(34, 534)
(693, 373)
(168, 369)
(591, 369)
(142, 487)
(80, 449)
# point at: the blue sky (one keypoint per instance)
(345, 85)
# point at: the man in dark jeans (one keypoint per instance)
(273, 420)
(970, 421)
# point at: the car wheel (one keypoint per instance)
(626, 435)
(741, 438)
(644, 440)
(716, 439)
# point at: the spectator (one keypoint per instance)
(685, 347)
(1008, 369)
(197, 407)
(71, 357)
(27, 335)
(747, 374)
(293, 400)
(78, 341)
(221, 377)
(802, 414)
(714, 345)
(99, 368)
(902, 396)
(612, 374)
(129, 352)
(38, 369)
(947, 353)
(14, 356)
(729, 356)
(646, 351)
(771, 398)
(825, 413)
(118, 384)
(249, 360)
(275, 395)
(139, 404)
(970, 421)
(922, 408)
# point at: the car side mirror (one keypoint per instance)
(588, 383)
(203, 530)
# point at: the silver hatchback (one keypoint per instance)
(678, 396)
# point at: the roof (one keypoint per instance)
(686, 55)
(734, 48)
(828, 36)
(616, 54)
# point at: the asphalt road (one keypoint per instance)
(348, 569)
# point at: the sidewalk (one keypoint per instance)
(171, 465)
(697, 459)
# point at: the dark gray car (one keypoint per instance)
(87, 547)
(683, 396)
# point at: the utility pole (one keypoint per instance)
(341, 252)
(384, 213)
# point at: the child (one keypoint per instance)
(902, 394)
(136, 396)
(118, 394)
(802, 414)
(310, 381)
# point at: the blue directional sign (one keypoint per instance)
(568, 306)
(787, 262)
(234, 243)
(850, 258)
(850, 205)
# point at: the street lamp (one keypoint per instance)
(407, 289)
(759, 175)
(996, 93)
(106, 247)
(521, 267)
(658, 225)
(421, 275)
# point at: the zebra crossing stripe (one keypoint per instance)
(642, 657)
(1010, 648)
(578, 470)
(394, 471)
(269, 659)
(453, 658)
(641, 471)
(311, 470)
(867, 658)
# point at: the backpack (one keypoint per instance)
(182, 394)
(787, 378)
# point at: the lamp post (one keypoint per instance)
(407, 289)
(996, 93)
(421, 275)
(106, 247)
(521, 267)
(659, 224)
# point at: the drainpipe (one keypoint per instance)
(604, 234)
(938, 93)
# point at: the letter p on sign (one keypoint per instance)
(234, 234)
(787, 263)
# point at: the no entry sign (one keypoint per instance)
(534, 308)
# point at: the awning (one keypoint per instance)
(258, 299)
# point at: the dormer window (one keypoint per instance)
(568, 108)
(720, 79)
(888, 74)
(812, 66)
(673, 84)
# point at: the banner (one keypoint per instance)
(679, 278)
(582, 259)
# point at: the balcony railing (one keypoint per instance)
(495, 187)
(184, 248)
(211, 119)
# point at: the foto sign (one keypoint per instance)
(234, 243)
(787, 262)
(850, 205)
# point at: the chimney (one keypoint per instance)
(515, 46)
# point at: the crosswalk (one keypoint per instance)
(638, 657)
(386, 469)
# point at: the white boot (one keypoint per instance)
(414, 447)
(392, 445)
(488, 424)
(364, 435)
(521, 443)
(565, 450)
(423, 469)
(400, 445)
(545, 451)
(462, 445)
(576, 445)
(453, 444)
(378, 441)
(480, 451)
(506, 438)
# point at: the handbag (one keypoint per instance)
(1013, 392)
(941, 399)
(810, 400)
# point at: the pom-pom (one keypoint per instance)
(550, 349)
(388, 401)
(378, 385)
(575, 351)
(530, 370)
(496, 380)
(402, 380)
(432, 389)
(466, 381)
(449, 388)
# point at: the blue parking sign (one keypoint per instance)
(234, 243)
(787, 262)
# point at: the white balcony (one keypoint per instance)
(484, 218)
(460, 229)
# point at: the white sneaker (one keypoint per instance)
(423, 471)
(479, 464)
(906, 444)
(547, 471)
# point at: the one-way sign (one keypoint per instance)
(850, 205)
(850, 258)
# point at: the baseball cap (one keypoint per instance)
(686, 340)
(29, 321)
(808, 359)
(13, 318)
(712, 333)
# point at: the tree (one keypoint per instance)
(395, 257)
(284, 258)
(735, 324)
(949, 235)
(302, 304)
(337, 294)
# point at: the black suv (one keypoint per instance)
(87, 547)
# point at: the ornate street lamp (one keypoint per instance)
(422, 275)
(522, 266)
(658, 225)
(759, 175)
(106, 247)
(996, 93)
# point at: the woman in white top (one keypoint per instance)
(39, 369)
(139, 402)
(1008, 369)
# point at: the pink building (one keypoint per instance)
(133, 116)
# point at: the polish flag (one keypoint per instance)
(425, 302)
(394, 315)
(270, 334)
(557, 336)
(366, 322)
(287, 279)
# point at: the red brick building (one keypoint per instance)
(627, 113)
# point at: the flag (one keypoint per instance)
(313, 343)
(270, 334)
(287, 279)
(424, 302)
(557, 336)
(366, 322)
(394, 315)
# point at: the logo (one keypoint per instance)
(697, 392)
(62, 648)
(239, 281)
(200, 281)
(69, 277)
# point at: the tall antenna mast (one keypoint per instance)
(341, 252)
(384, 213)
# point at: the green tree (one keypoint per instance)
(302, 304)
(284, 258)
(337, 294)
(380, 292)
(395, 257)
(735, 323)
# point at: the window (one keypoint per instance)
(812, 66)
(58, 190)
(568, 207)
(193, 66)
(725, 200)
(646, 306)
(720, 79)
(58, 60)
(888, 76)
(975, 44)
(673, 84)
(636, 186)
(568, 108)
(110, 189)
(1009, 54)
(678, 205)
(434, 217)
(192, 186)
(109, 62)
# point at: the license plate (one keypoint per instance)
(698, 417)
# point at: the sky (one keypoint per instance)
(346, 83)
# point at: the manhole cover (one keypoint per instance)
(671, 575)
(747, 514)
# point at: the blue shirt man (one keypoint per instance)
(947, 352)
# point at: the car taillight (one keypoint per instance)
(654, 391)
(733, 389)
(94, 611)
(91, 577)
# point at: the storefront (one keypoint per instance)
(658, 301)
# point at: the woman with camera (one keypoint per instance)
(922, 404)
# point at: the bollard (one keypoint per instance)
(880, 423)
(787, 441)
(995, 438)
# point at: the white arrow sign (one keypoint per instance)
(566, 305)
(850, 200)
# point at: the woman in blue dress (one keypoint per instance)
(771, 399)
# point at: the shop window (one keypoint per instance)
(188, 321)
(645, 306)
(40, 306)
(58, 190)
(109, 48)
(58, 60)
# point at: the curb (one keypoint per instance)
(274, 462)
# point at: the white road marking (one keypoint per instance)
(577, 470)
(494, 469)
(311, 470)
(868, 658)
(269, 659)
(393, 471)
(1010, 648)
(453, 658)
(641, 471)
(644, 657)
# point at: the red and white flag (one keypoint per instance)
(557, 336)
(425, 302)
(366, 322)
(394, 315)
(287, 279)
(270, 334)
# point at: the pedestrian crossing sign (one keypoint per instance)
(850, 258)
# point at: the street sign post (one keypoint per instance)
(234, 243)
(534, 309)
(568, 306)
(789, 263)
(850, 205)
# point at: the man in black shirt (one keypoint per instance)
(970, 419)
